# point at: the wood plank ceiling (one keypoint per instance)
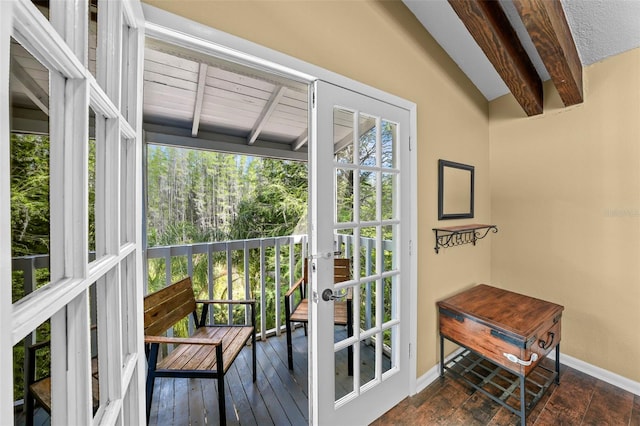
(547, 26)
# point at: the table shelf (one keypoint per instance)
(452, 236)
(499, 384)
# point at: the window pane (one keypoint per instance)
(368, 140)
(343, 135)
(368, 195)
(344, 195)
(29, 162)
(388, 142)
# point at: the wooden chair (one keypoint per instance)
(39, 388)
(343, 309)
(208, 353)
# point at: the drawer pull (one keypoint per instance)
(513, 358)
(545, 345)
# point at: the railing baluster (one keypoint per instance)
(247, 284)
(210, 278)
(263, 291)
(277, 279)
(229, 284)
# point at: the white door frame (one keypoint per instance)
(6, 352)
(183, 32)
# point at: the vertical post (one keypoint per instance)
(523, 405)
(6, 347)
(558, 364)
(263, 291)
(277, 284)
(441, 356)
(210, 279)
(229, 283)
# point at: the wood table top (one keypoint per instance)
(496, 307)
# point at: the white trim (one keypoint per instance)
(599, 373)
(584, 367)
(32, 31)
(179, 30)
(6, 350)
(433, 373)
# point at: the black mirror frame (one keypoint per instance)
(441, 214)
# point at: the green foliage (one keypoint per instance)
(29, 194)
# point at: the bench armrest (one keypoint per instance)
(294, 287)
(181, 340)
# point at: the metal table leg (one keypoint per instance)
(523, 406)
(558, 364)
(441, 356)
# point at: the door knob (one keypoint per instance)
(327, 295)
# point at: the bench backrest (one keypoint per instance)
(165, 307)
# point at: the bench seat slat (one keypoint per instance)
(203, 358)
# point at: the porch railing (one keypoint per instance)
(280, 262)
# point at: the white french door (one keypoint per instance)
(80, 63)
(359, 175)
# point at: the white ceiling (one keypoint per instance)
(600, 28)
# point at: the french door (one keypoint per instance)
(80, 64)
(359, 174)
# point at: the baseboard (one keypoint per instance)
(433, 373)
(599, 373)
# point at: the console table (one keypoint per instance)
(504, 336)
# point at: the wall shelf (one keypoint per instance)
(452, 236)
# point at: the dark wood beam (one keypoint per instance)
(491, 29)
(547, 26)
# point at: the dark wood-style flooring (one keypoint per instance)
(578, 400)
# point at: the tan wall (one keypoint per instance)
(383, 45)
(566, 196)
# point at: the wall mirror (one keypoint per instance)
(455, 190)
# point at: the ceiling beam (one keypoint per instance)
(213, 141)
(547, 26)
(31, 88)
(488, 25)
(266, 113)
(197, 109)
(300, 140)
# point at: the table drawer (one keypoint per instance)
(493, 342)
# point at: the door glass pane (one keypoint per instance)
(389, 135)
(368, 195)
(29, 172)
(367, 305)
(95, 328)
(93, 35)
(367, 361)
(344, 195)
(387, 248)
(91, 169)
(387, 203)
(343, 135)
(388, 348)
(368, 264)
(343, 381)
(368, 132)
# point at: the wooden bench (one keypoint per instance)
(208, 353)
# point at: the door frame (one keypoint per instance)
(180, 31)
